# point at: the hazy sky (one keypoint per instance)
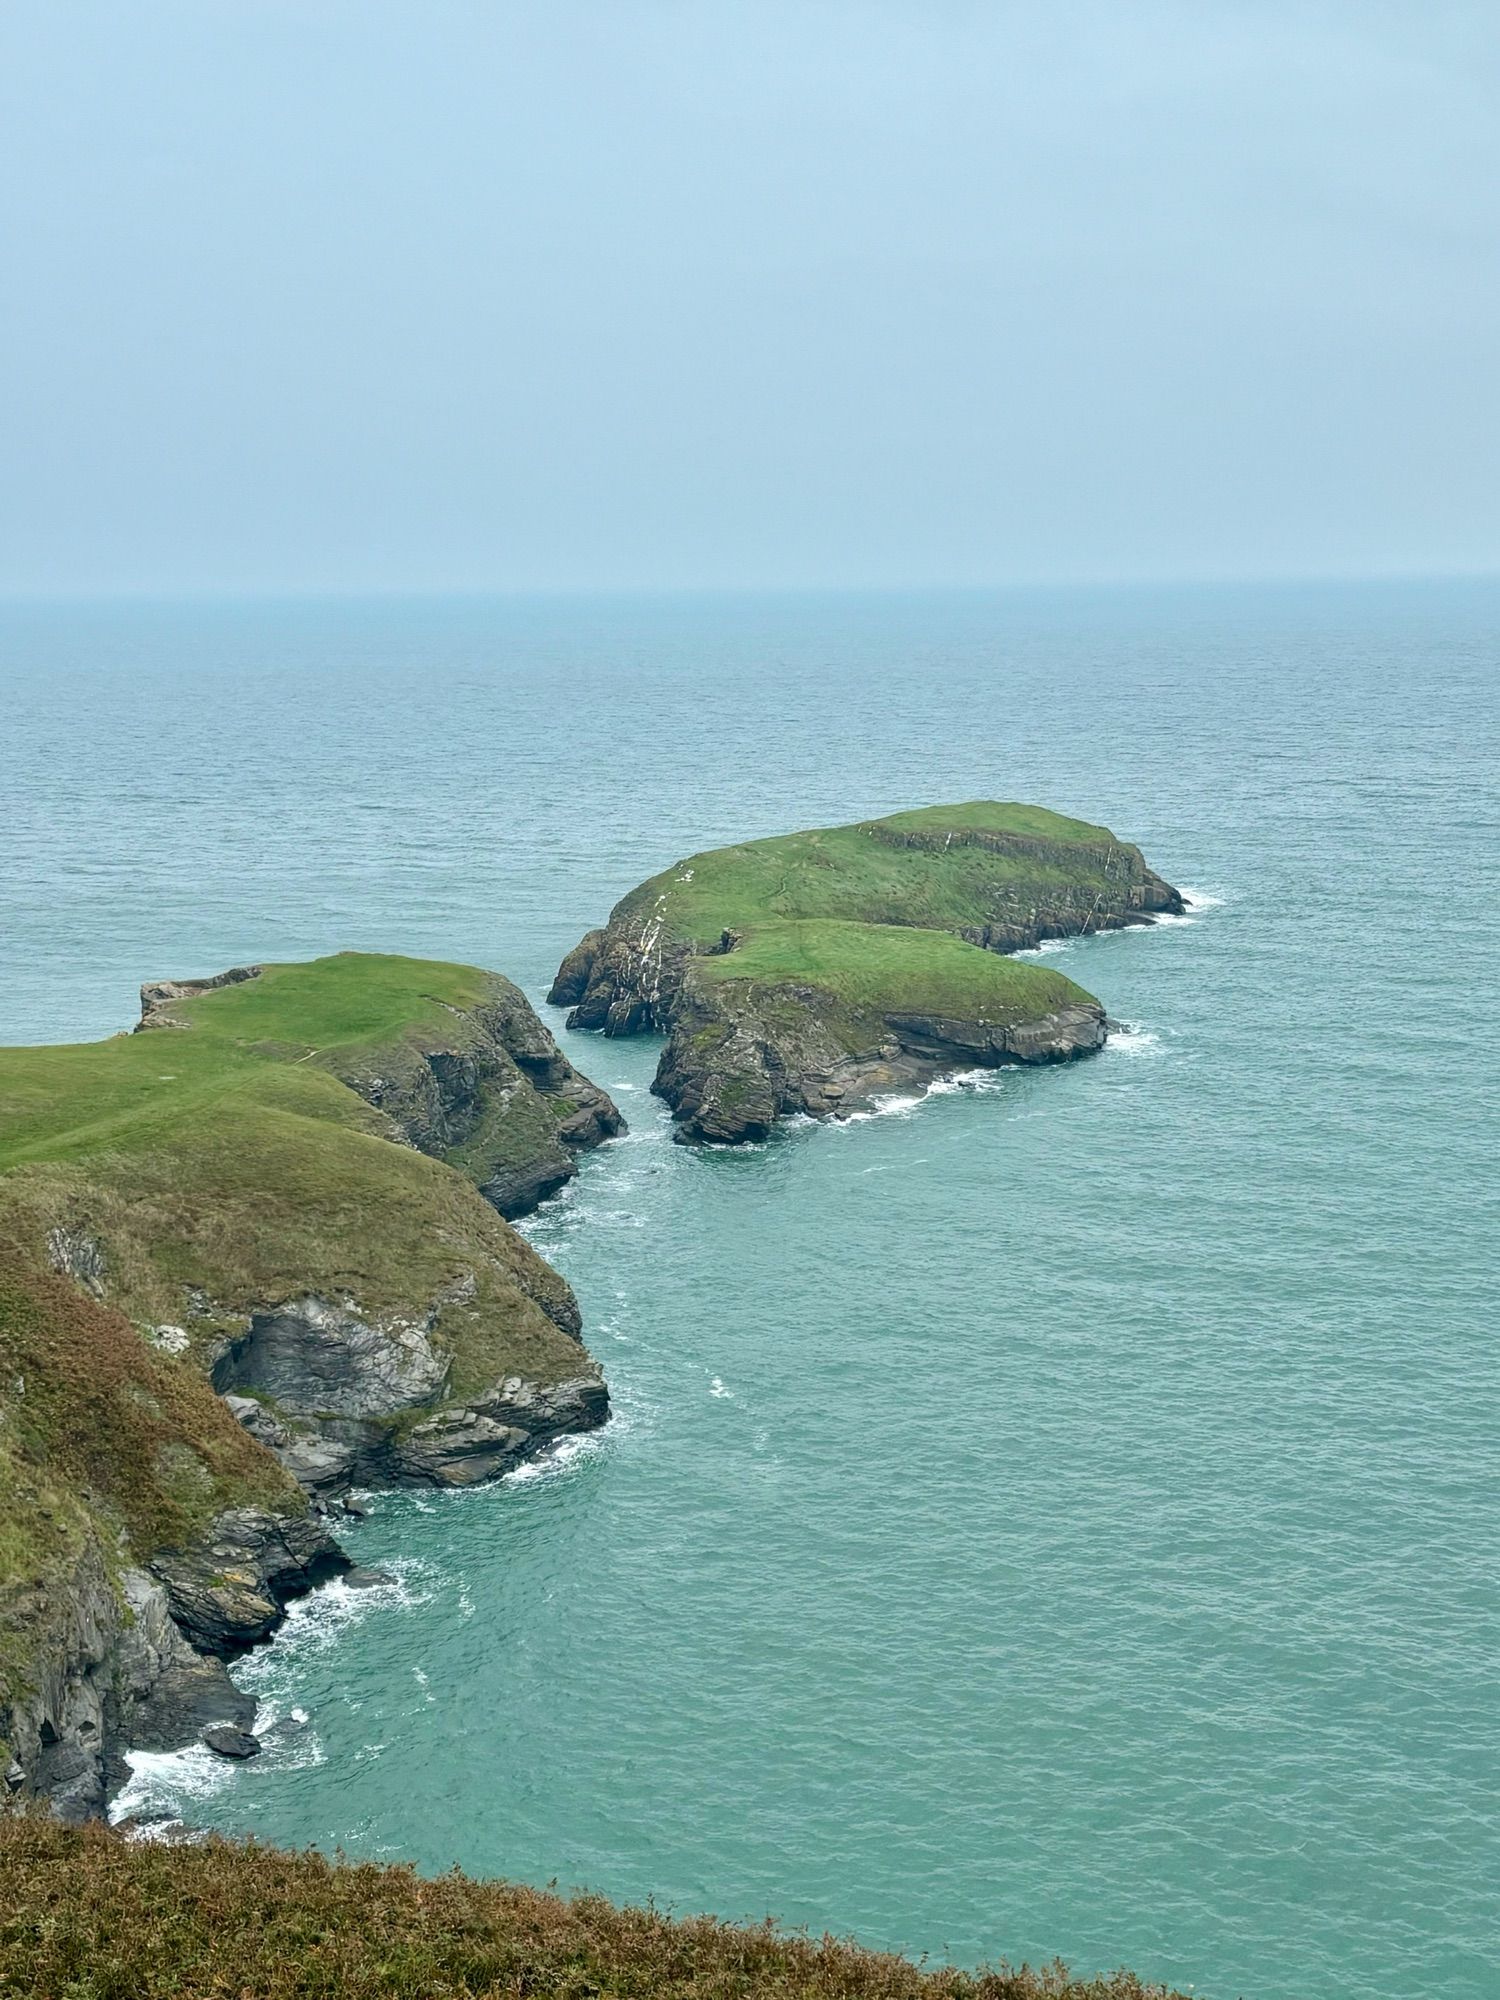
(554, 293)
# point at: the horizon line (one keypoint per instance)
(488, 593)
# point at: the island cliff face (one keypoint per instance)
(814, 971)
(290, 1190)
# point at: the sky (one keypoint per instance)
(411, 295)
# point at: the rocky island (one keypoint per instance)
(815, 970)
(252, 1256)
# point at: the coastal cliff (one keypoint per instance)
(813, 971)
(290, 1190)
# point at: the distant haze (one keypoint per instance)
(461, 294)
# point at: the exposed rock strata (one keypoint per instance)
(341, 1404)
(110, 1667)
(729, 1072)
(229, 1590)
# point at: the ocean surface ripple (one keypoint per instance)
(1058, 1515)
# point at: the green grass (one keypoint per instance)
(996, 816)
(72, 1101)
(222, 1161)
(86, 1915)
(879, 969)
(225, 1155)
(866, 872)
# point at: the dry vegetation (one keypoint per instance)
(86, 1915)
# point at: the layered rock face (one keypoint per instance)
(297, 1202)
(774, 972)
(733, 1067)
(344, 1401)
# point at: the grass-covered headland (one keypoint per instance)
(288, 1187)
(85, 1915)
(810, 971)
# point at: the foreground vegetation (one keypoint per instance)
(89, 1916)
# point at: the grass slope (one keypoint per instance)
(873, 969)
(67, 1101)
(223, 1163)
(219, 1167)
(862, 873)
(102, 1441)
(85, 1915)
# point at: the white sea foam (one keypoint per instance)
(162, 1782)
(966, 1081)
(315, 1622)
(1132, 1039)
(1198, 901)
(894, 1106)
(564, 1454)
(716, 1388)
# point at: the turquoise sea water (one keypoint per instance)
(1059, 1516)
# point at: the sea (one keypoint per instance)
(1056, 1516)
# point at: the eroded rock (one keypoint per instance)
(228, 1592)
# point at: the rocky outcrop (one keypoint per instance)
(464, 1444)
(731, 1069)
(497, 1096)
(158, 995)
(127, 1657)
(626, 977)
(230, 1589)
(313, 1358)
(343, 1402)
(108, 1666)
(315, 1245)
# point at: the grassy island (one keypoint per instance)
(811, 970)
